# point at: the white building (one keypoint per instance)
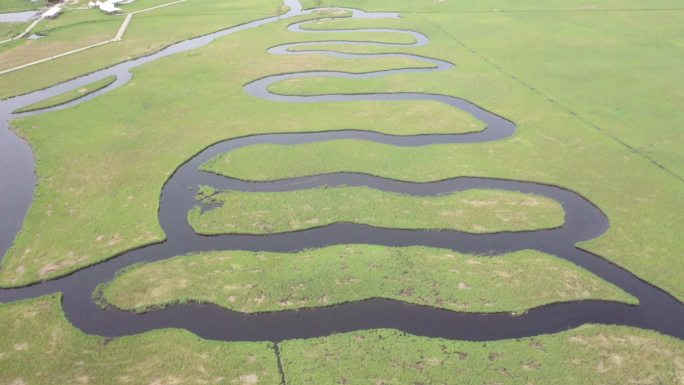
(108, 6)
(52, 13)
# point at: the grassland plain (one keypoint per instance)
(9, 30)
(627, 80)
(594, 166)
(591, 355)
(637, 196)
(105, 201)
(96, 204)
(431, 6)
(73, 29)
(616, 64)
(20, 5)
(473, 211)
(39, 346)
(148, 32)
(70, 96)
(257, 282)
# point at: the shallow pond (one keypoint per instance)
(17, 17)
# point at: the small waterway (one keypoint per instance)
(17, 17)
(657, 309)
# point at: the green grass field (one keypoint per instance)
(149, 32)
(20, 5)
(9, 30)
(73, 29)
(431, 6)
(593, 86)
(97, 203)
(473, 211)
(577, 162)
(593, 355)
(258, 282)
(70, 96)
(92, 206)
(39, 346)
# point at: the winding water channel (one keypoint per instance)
(656, 310)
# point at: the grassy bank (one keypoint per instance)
(10, 30)
(634, 101)
(74, 28)
(526, 156)
(581, 55)
(106, 199)
(20, 5)
(258, 282)
(148, 32)
(591, 355)
(494, 5)
(264, 162)
(473, 211)
(635, 98)
(70, 96)
(39, 346)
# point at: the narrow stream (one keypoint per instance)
(657, 309)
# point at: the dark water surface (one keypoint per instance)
(657, 310)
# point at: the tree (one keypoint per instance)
(279, 11)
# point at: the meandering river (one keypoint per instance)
(656, 310)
